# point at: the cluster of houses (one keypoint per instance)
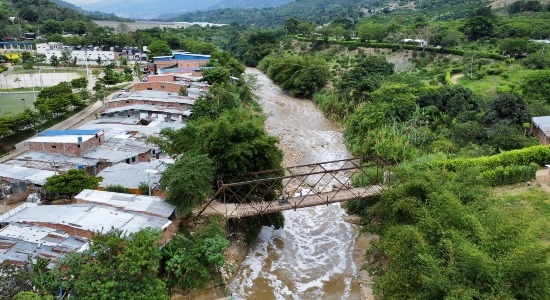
(113, 146)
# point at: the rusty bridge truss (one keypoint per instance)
(297, 187)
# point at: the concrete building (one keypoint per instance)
(7, 47)
(66, 142)
(50, 46)
(149, 105)
(150, 205)
(185, 62)
(106, 56)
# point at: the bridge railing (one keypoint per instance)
(327, 181)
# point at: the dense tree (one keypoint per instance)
(79, 83)
(188, 181)
(118, 267)
(369, 30)
(192, 260)
(301, 76)
(159, 48)
(510, 107)
(216, 75)
(71, 183)
(480, 24)
(536, 86)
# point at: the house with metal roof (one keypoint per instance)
(540, 128)
(20, 242)
(151, 205)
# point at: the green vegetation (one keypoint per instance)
(444, 236)
(192, 259)
(71, 183)
(301, 76)
(117, 267)
(118, 189)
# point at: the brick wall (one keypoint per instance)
(191, 63)
(72, 149)
(122, 103)
(159, 86)
(166, 77)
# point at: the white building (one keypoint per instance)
(82, 55)
(48, 47)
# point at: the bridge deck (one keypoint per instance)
(234, 210)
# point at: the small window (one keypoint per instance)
(128, 161)
(133, 159)
(149, 89)
(127, 101)
(53, 147)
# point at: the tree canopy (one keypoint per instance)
(71, 183)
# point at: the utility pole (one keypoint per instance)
(472, 68)
(4, 197)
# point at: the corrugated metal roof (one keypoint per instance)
(35, 176)
(92, 218)
(130, 176)
(128, 202)
(23, 241)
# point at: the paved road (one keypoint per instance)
(66, 124)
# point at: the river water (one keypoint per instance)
(311, 258)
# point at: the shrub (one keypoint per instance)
(503, 175)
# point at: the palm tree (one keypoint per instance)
(17, 80)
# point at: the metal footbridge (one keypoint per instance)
(297, 187)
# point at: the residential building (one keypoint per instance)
(540, 128)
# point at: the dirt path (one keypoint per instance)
(455, 78)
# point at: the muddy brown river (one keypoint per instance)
(311, 258)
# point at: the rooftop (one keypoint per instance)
(63, 139)
(46, 161)
(153, 96)
(123, 125)
(35, 176)
(130, 176)
(148, 107)
(91, 218)
(21, 241)
(69, 132)
(129, 202)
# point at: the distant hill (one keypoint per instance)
(94, 15)
(322, 11)
(318, 11)
(148, 9)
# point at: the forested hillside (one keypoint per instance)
(313, 10)
(38, 16)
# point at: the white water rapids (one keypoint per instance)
(311, 258)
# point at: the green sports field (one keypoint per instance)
(11, 102)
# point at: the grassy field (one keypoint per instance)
(510, 80)
(12, 103)
(527, 205)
